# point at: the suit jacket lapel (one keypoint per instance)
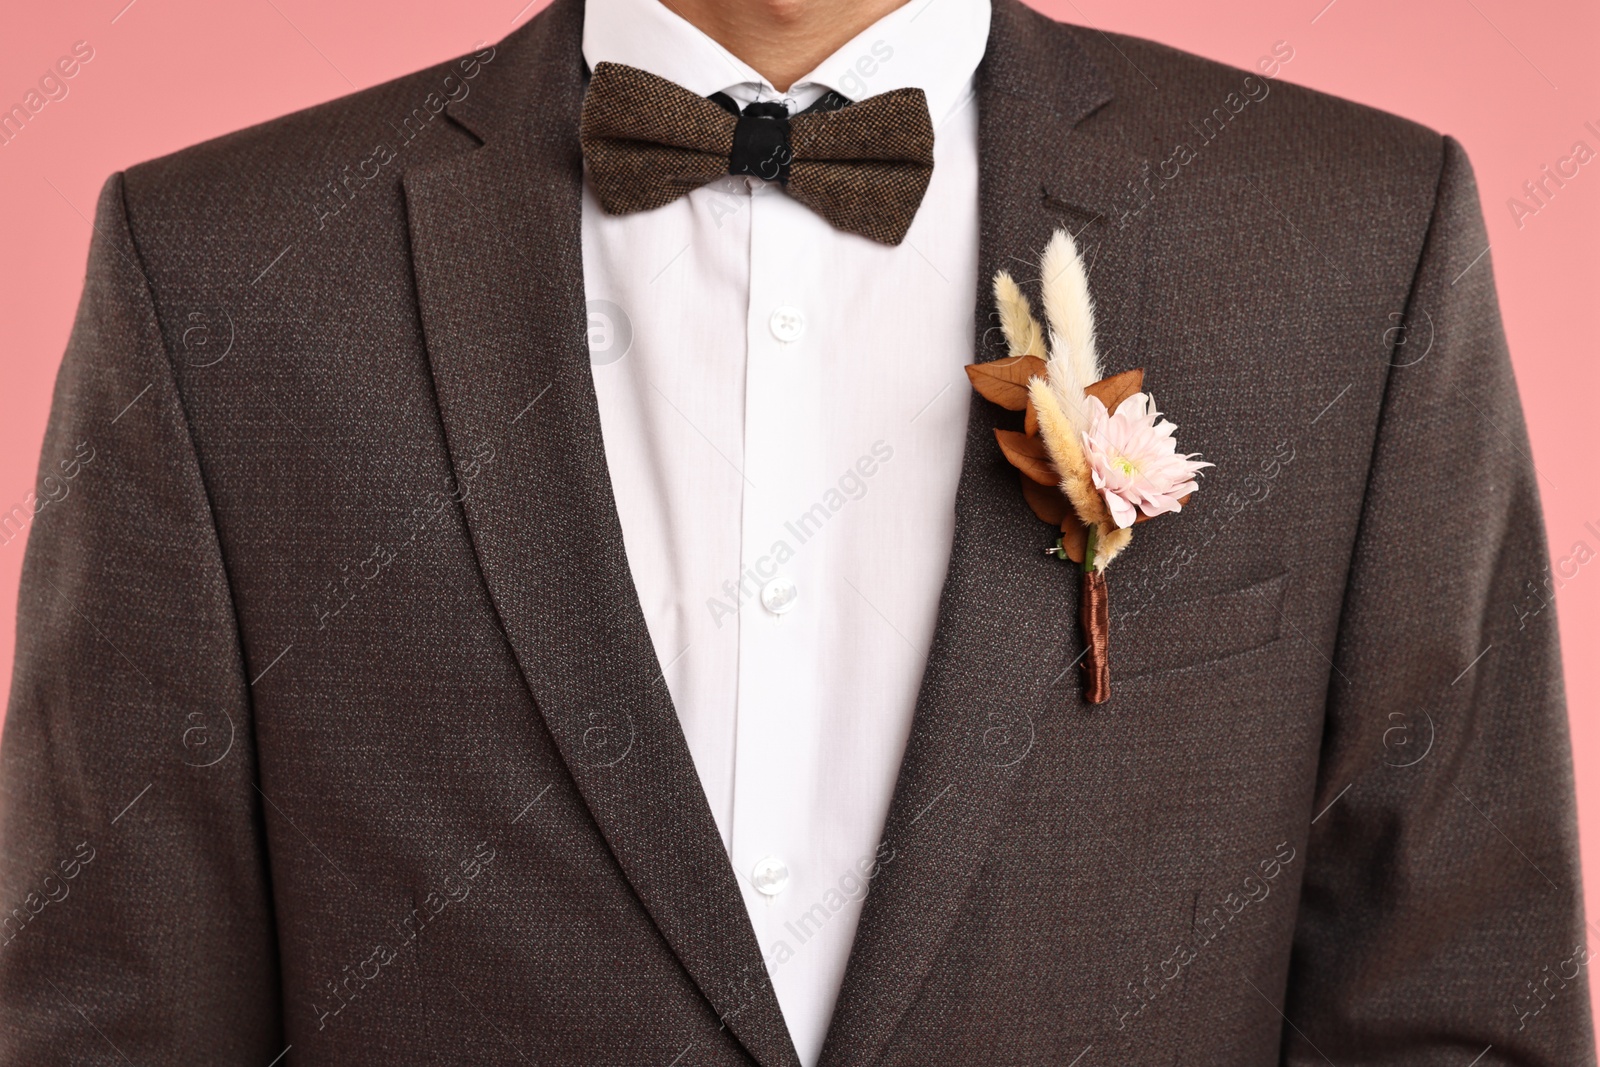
(496, 240)
(1007, 640)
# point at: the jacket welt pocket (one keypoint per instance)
(1173, 634)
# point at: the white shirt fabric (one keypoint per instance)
(784, 409)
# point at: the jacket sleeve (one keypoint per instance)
(1441, 916)
(137, 922)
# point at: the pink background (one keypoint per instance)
(1514, 82)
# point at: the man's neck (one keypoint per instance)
(782, 39)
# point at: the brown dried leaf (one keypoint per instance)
(1117, 388)
(1030, 419)
(1005, 381)
(1027, 454)
(1047, 501)
(1074, 537)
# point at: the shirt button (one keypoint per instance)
(787, 323)
(779, 595)
(770, 875)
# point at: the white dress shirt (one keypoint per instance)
(784, 410)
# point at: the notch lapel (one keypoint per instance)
(497, 244)
(1007, 640)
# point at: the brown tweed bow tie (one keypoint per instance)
(864, 167)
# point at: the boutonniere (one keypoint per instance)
(1096, 457)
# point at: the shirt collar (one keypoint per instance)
(932, 45)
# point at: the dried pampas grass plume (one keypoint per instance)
(1074, 364)
(1021, 329)
(1110, 540)
(1061, 400)
(1062, 443)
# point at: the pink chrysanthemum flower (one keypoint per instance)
(1134, 461)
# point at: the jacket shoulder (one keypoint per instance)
(1172, 98)
(300, 170)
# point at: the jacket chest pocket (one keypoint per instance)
(1174, 635)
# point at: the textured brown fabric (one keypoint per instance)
(333, 662)
(863, 167)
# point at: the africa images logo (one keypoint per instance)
(52, 87)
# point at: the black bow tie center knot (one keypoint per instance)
(760, 140)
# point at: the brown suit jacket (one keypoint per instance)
(336, 727)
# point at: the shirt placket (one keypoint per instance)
(777, 750)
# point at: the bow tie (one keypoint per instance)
(864, 167)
